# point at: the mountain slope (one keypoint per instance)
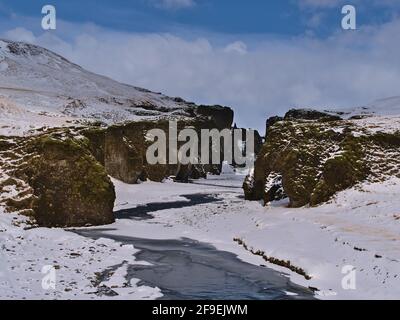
(382, 107)
(46, 89)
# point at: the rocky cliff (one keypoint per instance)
(55, 179)
(309, 155)
(121, 149)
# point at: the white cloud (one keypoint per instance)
(236, 47)
(323, 4)
(267, 77)
(173, 4)
(320, 3)
(20, 34)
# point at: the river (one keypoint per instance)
(188, 269)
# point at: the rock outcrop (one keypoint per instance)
(222, 117)
(57, 181)
(121, 149)
(309, 114)
(309, 156)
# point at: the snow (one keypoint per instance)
(25, 254)
(385, 107)
(380, 116)
(382, 107)
(360, 228)
(387, 124)
(39, 88)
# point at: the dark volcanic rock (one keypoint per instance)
(270, 122)
(309, 114)
(221, 116)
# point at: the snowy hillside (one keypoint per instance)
(380, 115)
(39, 87)
(382, 107)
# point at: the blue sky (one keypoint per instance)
(259, 57)
(279, 17)
(151, 16)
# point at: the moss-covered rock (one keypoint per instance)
(122, 148)
(317, 158)
(70, 188)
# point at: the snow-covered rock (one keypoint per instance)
(318, 154)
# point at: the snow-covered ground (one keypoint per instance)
(357, 231)
(31, 261)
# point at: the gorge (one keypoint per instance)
(77, 191)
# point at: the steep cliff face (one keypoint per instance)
(56, 180)
(122, 149)
(308, 157)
